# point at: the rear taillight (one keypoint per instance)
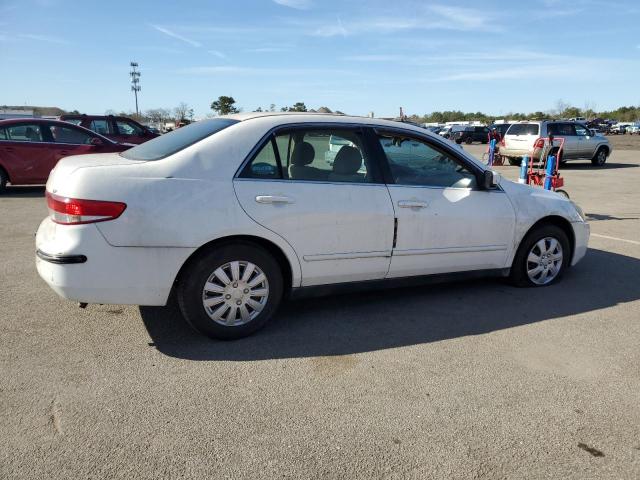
(539, 143)
(75, 211)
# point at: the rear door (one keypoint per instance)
(566, 131)
(320, 190)
(25, 153)
(445, 223)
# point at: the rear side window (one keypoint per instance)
(524, 129)
(318, 154)
(24, 133)
(99, 126)
(170, 143)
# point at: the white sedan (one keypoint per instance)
(236, 213)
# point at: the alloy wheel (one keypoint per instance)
(544, 261)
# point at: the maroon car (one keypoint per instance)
(118, 129)
(31, 147)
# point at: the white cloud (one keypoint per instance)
(43, 38)
(217, 53)
(169, 33)
(297, 4)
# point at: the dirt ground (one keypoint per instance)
(624, 142)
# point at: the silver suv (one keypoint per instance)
(527, 138)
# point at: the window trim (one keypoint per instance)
(378, 172)
(389, 180)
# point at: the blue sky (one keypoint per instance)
(353, 55)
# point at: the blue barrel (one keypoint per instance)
(492, 150)
(548, 174)
(524, 166)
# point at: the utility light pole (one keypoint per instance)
(135, 83)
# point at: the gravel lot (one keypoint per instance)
(467, 380)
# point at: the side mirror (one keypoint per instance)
(490, 179)
(96, 141)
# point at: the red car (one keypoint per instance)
(118, 129)
(31, 147)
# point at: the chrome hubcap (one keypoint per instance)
(235, 293)
(544, 261)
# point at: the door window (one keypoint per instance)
(128, 128)
(415, 162)
(63, 134)
(581, 131)
(100, 126)
(24, 133)
(329, 155)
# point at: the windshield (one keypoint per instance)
(170, 143)
(523, 129)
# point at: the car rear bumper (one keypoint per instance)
(78, 264)
(581, 232)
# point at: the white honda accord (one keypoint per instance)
(235, 213)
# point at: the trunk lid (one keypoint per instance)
(67, 166)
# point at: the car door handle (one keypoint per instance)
(64, 152)
(412, 204)
(273, 199)
(9, 149)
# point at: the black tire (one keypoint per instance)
(600, 158)
(519, 276)
(192, 281)
(459, 141)
(468, 140)
(514, 161)
(4, 178)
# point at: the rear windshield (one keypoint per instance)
(170, 143)
(523, 129)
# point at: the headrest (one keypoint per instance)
(348, 161)
(303, 154)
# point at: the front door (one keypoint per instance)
(583, 141)
(445, 223)
(320, 191)
(67, 140)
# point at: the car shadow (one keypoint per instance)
(588, 166)
(23, 192)
(596, 217)
(365, 322)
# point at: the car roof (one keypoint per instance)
(62, 123)
(283, 118)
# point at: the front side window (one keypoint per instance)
(324, 154)
(63, 134)
(415, 162)
(23, 133)
(581, 131)
(128, 128)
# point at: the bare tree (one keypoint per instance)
(183, 112)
